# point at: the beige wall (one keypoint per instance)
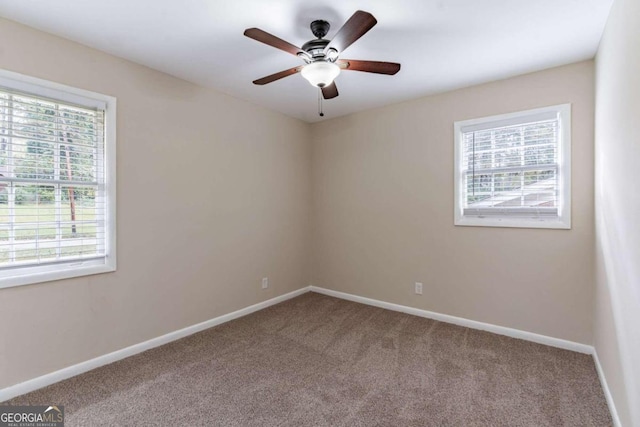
(617, 148)
(213, 194)
(383, 212)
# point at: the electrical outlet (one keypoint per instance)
(418, 288)
(265, 282)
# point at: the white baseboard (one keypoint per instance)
(500, 330)
(62, 374)
(607, 392)
(80, 368)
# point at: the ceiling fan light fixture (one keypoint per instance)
(320, 73)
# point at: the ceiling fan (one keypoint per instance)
(322, 63)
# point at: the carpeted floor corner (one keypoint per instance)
(320, 361)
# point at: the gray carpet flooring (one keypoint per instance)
(320, 361)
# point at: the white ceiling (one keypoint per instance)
(441, 44)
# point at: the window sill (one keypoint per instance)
(550, 223)
(56, 272)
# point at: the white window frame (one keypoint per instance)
(563, 220)
(31, 274)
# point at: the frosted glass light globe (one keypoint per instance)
(320, 73)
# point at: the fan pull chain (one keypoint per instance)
(320, 112)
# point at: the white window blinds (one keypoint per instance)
(512, 169)
(52, 181)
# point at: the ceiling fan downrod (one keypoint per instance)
(320, 112)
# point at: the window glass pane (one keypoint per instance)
(541, 188)
(506, 181)
(34, 214)
(76, 162)
(33, 159)
(78, 212)
(78, 142)
(540, 133)
(32, 119)
(34, 224)
(31, 128)
(483, 141)
(478, 150)
(478, 188)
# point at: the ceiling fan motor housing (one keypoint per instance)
(315, 47)
(320, 28)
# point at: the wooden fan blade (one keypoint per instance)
(359, 23)
(377, 67)
(277, 76)
(271, 40)
(330, 91)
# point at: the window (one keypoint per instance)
(57, 181)
(514, 170)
